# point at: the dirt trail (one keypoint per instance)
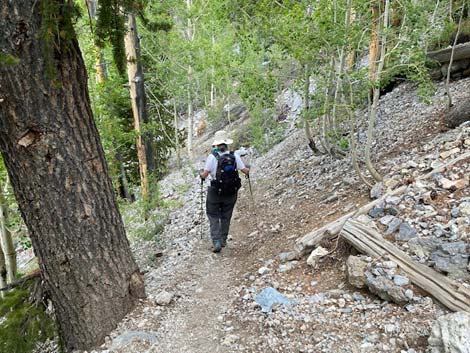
(192, 324)
(214, 307)
(204, 285)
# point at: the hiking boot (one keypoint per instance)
(217, 246)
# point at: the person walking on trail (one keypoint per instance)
(222, 166)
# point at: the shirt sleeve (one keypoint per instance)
(240, 164)
(209, 163)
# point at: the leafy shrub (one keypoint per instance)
(23, 325)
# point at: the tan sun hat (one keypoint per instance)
(221, 138)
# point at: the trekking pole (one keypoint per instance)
(251, 193)
(202, 210)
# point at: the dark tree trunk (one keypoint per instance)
(56, 164)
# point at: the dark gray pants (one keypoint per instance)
(219, 211)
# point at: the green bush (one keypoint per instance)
(448, 33)
(23, 325)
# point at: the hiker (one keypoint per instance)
(222, 165)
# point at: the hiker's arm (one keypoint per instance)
(241, 166)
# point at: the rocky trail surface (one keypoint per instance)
(204, 302)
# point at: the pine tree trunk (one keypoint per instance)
(139, 104)
(53, 154)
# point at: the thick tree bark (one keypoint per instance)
(51, 147)
(139, 104)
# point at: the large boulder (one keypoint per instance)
(451, 334)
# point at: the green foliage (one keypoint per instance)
(448, 33)
(110, 27)
(24, 325)
(8, 60)
(265, 131)
(57, 30)
(145, 220)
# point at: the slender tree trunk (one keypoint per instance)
(352, 138)
(374, 39)
(101, 69)
(212, 77)
(449, 95)
(177, 142)
(378, 69)
(53, 154)
(431, 24)
(135, 73)
(123, 182)
(190, 119)
(6, 238)
(3, 272)
(308, 131)
(326, 121)
(190, 39)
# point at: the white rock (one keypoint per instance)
(446, 154)
(229, 340)
(164, 298)
(316, 255)
(451, 334)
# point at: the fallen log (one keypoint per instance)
(448, 292)
(330, 230)
(461, 52)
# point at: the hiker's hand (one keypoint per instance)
(201, 174)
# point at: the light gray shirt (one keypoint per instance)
(211, 164)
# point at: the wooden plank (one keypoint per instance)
(461, 52)
(451, 294)
(332, 229)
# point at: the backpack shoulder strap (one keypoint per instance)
(232, 154)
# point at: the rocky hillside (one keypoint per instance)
(257, 296)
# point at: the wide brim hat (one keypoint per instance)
(221, 138)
